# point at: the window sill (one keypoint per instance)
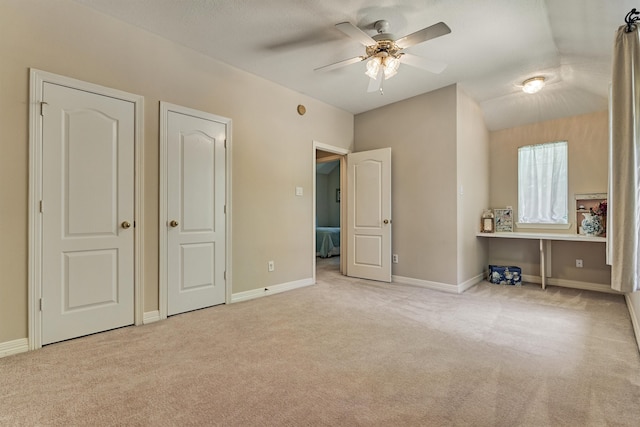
(525, 225)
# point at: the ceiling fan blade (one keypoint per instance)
(339, 64)
(436, 30)
(376, 84)
(435, 67)
(355, 33)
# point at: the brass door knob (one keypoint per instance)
(173, 223)
(386, 221)
(126, 224)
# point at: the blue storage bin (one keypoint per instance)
(505, 275)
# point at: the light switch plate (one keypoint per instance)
(299, 191)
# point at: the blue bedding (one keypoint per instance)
(327, 241)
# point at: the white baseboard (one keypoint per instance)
(585, 286)
(270, 290)
(531, 279)
(150, 317)
(470, 283)
(14, 347)
(635, 319)
(436, 286)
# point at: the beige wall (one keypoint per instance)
(587, 137)
(322, 208)
(272, 144)
(333, 183)
(421, 132)
(327, 208)
(473, 186)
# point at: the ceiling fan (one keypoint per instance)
(385, 54)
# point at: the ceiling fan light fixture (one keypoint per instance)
(373, 67)
(533, 85)
(383, 52)
(391, 65)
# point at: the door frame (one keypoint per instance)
(165, 108)
(342, 152)
(36, 82)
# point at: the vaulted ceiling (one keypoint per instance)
(494, 45)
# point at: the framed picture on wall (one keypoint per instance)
(337, 195)
(504, 219)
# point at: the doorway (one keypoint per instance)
(329, 248)
(365, 211)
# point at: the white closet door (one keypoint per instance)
(195, 212)
(87, 213)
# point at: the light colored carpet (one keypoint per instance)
(346, 352)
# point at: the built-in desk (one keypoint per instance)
(545, 245)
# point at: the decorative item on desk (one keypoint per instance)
(601, 211)
(591, 204)
(487, 222)
(504, 219)
(591, 224)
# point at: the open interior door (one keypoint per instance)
(369, 214)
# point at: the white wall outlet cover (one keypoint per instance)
(299, 191)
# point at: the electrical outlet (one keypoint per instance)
(579, 263)
(395, 258)
(271, 266)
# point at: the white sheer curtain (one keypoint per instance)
(623, 216)
(542, 183)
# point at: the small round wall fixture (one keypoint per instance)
(533, 84)
(301, 109)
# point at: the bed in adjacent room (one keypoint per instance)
(327, 241)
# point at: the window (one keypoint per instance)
(542, 184)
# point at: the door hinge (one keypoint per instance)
(224, 209)
(40, 304)
(224, 274)
(42, 104)
(40, 206)
(225, 144)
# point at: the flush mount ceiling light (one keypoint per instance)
(533, 84)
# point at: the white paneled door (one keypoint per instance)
(196, 228)
(369, 214)
(88, 143)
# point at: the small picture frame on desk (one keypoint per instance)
(487, 222)
(504, 220)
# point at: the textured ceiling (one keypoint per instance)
(494, 45)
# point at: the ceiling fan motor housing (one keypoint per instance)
(384, 48)
(385, 45)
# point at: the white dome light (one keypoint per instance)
(533, 84)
